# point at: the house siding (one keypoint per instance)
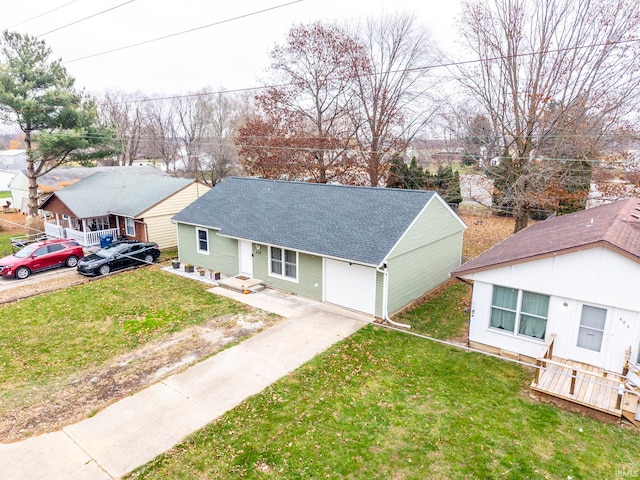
(176, 202)
(20, 192)
(161, 231)
(309, 273)
(54, 205)
(158, 218)
(590, 277)
(436, 221)
(416, 273)
(223, 251)
(424, 257)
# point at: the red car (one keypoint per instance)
(40, 256)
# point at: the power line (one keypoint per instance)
(164, 37)
(40, 15)
(85, 18)
(355, 151)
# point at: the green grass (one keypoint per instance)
(444, 315)
(5, 244)
(51, 336)
(168, 254)
(383, 405)
(5, 194)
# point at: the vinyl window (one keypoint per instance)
(519, 312)
(203, 240)
(283, 263)
(129, 227)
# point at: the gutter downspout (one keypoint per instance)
(385, 297)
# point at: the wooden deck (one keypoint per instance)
(579, 383)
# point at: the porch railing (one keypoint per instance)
(89, 239)
(53, 231)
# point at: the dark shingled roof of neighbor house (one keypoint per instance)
(615, 226)
(361, 224)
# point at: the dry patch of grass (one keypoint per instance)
(484, 232)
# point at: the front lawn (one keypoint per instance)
(383, 404)
(46, 338)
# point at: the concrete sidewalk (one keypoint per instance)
(136, 429)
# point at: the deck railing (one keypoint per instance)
(546, 353)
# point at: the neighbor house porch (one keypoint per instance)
(87, 232)
(586, 385)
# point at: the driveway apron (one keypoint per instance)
(136, 429)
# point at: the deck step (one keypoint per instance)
(631, 405)
(631, 418)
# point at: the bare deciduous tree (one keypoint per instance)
(547, 71)
(125, 112)
(392, 91)
(161, 137)
(220, 157)
(193, 114)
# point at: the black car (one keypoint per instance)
(117, 256)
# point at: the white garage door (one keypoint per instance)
(351, 286)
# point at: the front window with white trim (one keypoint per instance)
(129, 227)
(520, 312)
(202, 236)
(283, 263)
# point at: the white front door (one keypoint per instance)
(245, 255)
(591, 339)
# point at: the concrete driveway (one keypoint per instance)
(136, 429)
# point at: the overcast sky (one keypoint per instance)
(232, 54)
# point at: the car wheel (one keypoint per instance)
(22, 273)
(148, 258)
(104, 269)
(72, 261)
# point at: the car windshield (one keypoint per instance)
(26, 251)
(109, 252)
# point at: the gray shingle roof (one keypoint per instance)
(361, 224)
(60, 177)
(615, 226)
(119, 193)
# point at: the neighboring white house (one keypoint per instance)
(575, 276)
(11, 162)
(13, 159)
(6, 177)
(573, 279)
